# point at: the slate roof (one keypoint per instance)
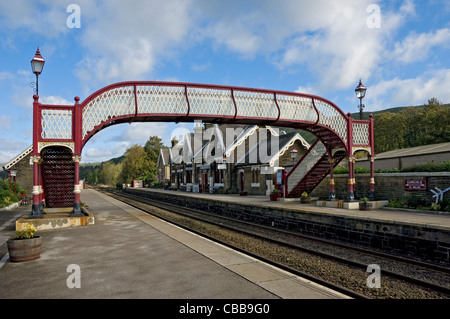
(417, 150)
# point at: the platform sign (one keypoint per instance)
(280, 177)
(415, 184)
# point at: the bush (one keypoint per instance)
(158, 185)
(445, 205)
(397, 203)
(7, 197)
(418, 203)
(428, 167)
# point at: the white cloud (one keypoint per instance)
(341, 49)
(127, 41)
(329, 38)
(54, 100)
(123, 40)
(23, 98)
(309, 89)
(139, 133)
(115, 140)
(101, 154)
(5, 75)
(417, 47)
(408, 8)
(10, 149)
(412, 91)
(44, 17)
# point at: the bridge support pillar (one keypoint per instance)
(36, 207)
(77, 212)
(332, 194)
(372, 180)
(351, 180)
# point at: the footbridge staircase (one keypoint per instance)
(310, 170)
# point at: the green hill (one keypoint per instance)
(398, 109)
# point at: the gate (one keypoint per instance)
(58, 176)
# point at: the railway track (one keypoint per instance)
(338, 266)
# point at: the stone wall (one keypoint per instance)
(387, 186)
(417, 241)
(24, 176)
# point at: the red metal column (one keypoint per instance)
(77, 127)
(36, 208)
(372, 159)
(41, 187)
(332, 194)
(372, 180)
(351, 167)
(285, 181)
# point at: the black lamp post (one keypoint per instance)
(360, 92)
(37, 64)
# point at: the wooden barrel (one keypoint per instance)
(24, 249)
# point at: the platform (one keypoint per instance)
(421, 218)
(130, 254)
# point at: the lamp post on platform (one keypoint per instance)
(360, 92)
(37, 208)
(37, 64)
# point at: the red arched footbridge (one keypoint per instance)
(61, 131)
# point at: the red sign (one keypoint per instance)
(415, 184)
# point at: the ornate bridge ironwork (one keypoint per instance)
(145, 101)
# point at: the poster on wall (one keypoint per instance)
(280, 177)
(137, 184)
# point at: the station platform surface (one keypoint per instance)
(429, 219)
(130, 254)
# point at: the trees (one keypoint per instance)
(436, 123)
(152, 147)
(135, 165)
(109, 173)
(138, 162)
(389, 129)
(412, 126)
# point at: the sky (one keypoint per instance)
(399, 49)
